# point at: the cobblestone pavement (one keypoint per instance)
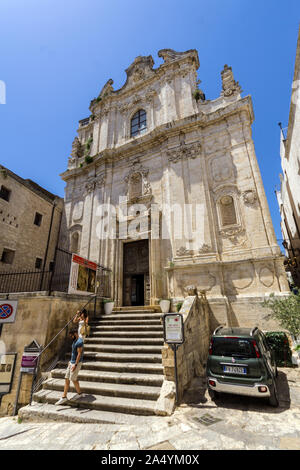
(231, 422)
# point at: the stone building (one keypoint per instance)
(29, 224)
(164, 188)
(289, 194)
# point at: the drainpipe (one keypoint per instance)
(48, 242)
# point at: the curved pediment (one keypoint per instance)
(169, 55)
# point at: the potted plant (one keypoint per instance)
(108, 306)
(165, 305)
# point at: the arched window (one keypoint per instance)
(228, 214)
(138, 123)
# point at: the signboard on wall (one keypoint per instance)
(82, 276)
(173, 328)
(8, 310)
(7, 367)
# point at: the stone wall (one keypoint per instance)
(39, 317)
(18, 231)
(192, 354)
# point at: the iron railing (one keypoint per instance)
(56, 349)
(24, 281)
(56, 279)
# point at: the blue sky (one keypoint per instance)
(55, 56)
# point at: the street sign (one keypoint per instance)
(173, 328)
(7, 367)
(82, 276)
(29, 357)
(8, 310)
(174, 336)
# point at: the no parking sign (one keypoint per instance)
(8, 310)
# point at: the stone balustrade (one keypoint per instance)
(192, 354)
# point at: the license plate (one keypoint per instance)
(235, 370)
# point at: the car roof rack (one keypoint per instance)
(217, 329)
(253, 329)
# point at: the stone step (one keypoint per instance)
(126, 367)
(136, 327)
(107, 389)
(126, 334)
(122, 357)
(155, 380)
(44, 412)
(99, 402)
(141, 323)
(128, 316)
(154, 308)
(133, 341)
(119, 348)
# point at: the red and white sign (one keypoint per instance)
(82, 276)
(8, 310)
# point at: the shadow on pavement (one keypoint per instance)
(197, 396)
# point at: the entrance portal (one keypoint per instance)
(136, 288)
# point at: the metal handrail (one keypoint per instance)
(67, 324)
(37, 383)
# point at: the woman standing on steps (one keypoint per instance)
(82, 319)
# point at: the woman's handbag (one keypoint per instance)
(85, 330)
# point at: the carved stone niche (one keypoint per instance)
(138, 185)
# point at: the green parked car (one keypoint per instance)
(241, 362)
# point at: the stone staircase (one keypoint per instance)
(122, 371)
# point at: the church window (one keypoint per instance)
(138, 123)
(227, 209)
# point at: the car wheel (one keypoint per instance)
(213, 394)
(273, 400)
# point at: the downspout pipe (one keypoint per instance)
(48, 242)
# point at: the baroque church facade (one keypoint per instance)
(156, 157)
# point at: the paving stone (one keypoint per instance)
(290, 443)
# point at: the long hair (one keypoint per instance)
(84, 312)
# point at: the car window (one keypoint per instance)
(241, 347)
(264, 342)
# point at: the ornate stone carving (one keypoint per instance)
(90, 186)
(100, 181)
(250, 196)
(139, 70)
(182, 251)
(169, 55)
(241, 277)
(205, 249)
(232, 233)
(191, 290)
(138, 173)
(229, 86)
(266, 276)
(184, 151)
(77, 149)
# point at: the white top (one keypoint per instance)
(80, 325)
